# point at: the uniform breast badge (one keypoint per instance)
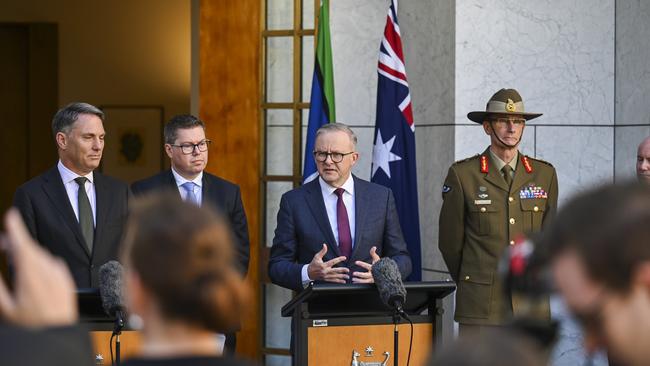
(532, 192)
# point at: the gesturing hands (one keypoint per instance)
(366, 277)
(44, 290)
(325, 271)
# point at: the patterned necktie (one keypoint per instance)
(343, 223)
(189, 190)
(506, 174)
(85, 214)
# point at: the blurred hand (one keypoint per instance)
(366, 277)
(44, 292)
(325, 271)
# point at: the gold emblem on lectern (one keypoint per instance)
(356, 362)
(510, 106)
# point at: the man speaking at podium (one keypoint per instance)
(72, 210)
(335, 227)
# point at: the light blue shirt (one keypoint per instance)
(198, 187)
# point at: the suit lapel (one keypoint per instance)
(361, 209)
(102, 205)
(170, 181)
(317, 207)
(55, 190)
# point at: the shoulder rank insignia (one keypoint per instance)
(484, 164)
(527, 166)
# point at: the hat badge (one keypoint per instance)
(510, 106)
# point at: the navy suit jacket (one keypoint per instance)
(220, 194)
(303, 227)
(48, 214)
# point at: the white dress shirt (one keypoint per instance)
(72, 189)
(330, 199)
(198, 188)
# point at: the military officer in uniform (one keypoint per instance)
(489, 201)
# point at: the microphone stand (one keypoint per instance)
(117, 331)
(396, 316)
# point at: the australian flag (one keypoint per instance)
(393, 154)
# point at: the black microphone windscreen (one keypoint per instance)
(110, 287)
(388, 280)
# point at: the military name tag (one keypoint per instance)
(482, 202)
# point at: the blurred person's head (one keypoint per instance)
(643, 161)
(179, 267)
(492, 347)
(599, 247)
(186, 145)
(78, 130)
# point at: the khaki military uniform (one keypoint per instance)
(480, 217)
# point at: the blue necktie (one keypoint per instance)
(190, 196)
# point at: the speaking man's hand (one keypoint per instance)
(325, 271)
(44, 292)
(366, 277)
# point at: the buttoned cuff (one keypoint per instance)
(305, 275)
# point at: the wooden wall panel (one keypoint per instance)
(229, 99)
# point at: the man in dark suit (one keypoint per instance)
(335, 227)
(187, 148)
(72, 210)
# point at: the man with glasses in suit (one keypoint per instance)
(187, 148)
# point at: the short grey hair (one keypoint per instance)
(336, 127)
(68, 115)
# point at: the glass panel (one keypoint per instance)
(279, 150)
(278, 328)
(307, 66)
(275, 360)
(279, 117)
(274, 191)
(279, 76)
(308, 14)
(279, 14)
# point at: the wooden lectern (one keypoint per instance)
(343, 324)
(100, 326)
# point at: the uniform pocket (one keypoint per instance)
(533, 214)
(483, 217)
(474, 294)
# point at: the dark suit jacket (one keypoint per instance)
(303, 227)
(48, 214)
(220, 194)
(62, 346)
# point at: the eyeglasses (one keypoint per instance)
(337, 157)
(514, 121)
(189, 148)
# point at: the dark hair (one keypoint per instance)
(491, 347)
(68, 115)
(609, 229)
(183, 254)
(180, 121)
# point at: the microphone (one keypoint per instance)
(389, 284)
(110, 290)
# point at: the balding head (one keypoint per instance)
(643, 161)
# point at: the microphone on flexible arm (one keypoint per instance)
(110, 289)
(389, 284)
(393, 294)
